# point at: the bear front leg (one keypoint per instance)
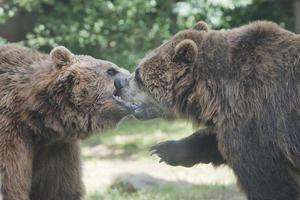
(15, 167)
(57, 173)
(200, 147)
(261, 170)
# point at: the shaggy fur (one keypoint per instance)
(244, 84)
(47, 103)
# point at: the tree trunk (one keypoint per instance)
(16, 28)
(297, 15)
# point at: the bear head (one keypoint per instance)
(165, 78)
(71, 96)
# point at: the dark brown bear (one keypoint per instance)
(47, 103)
(244, 84)
(200, 147)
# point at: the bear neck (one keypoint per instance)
(199, 98)
(31, 104)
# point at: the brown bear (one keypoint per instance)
(200, 147)
(244, 85)
(48, 103)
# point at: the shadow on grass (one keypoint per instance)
(141, 181)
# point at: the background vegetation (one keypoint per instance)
(124, 30)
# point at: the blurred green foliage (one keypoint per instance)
(124, 30)
(2, 41)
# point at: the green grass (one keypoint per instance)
(124, 192)
(135, 136)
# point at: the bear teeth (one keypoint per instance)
(118, 98)
(126, 104)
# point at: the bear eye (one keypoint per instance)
(112, 71)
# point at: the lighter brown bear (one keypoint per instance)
(48, 103)
(244, 84)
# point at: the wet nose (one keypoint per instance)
(120, 83)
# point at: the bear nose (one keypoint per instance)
(120, 83)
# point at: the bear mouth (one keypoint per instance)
(132, 107)
(140, 111)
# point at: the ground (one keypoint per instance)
(118, 166)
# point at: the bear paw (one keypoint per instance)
(173, 153)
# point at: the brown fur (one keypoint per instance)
(244, 84)
(201, 26)
(47, 103)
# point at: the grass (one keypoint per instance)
(137, 136)
(125, 192)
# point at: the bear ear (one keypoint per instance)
(201, 26)
(186, 51)
(61, 56)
